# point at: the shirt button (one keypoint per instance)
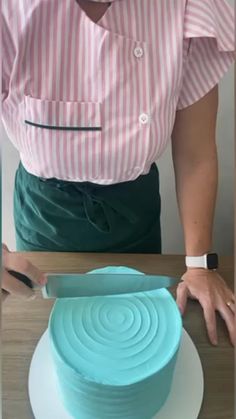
(143, 118)
(138, 52)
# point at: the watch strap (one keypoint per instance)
(196, 261)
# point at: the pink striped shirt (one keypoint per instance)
(96, 102)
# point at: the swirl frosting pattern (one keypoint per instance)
(115, 355)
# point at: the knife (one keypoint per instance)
(101, 284)
(21, 277)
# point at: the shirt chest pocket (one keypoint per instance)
(69, 132)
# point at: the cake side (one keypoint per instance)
(115, 356)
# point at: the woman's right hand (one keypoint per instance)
(11, 285)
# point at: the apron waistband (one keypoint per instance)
(92, 199)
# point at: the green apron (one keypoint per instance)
(55, 215)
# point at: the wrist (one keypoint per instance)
(198, 250)
(196, 246)
(200, 270)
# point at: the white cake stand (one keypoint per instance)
(184, 401)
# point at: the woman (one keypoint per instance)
(92, 92)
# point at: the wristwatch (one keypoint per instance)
(207, 261)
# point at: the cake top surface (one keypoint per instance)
(116, 340)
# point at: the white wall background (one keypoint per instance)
(172, 233)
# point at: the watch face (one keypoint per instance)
(212, 261)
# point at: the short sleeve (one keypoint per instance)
(7, 55)
(209, 48)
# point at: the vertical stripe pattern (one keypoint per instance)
(121, 79)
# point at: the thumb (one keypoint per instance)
(182, 297)
(4, 247)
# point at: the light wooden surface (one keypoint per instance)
(24, 322)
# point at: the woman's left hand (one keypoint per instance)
(212, 292)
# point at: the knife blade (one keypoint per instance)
(101, 284)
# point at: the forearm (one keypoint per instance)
(196, 189)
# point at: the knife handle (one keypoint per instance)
(21, 277)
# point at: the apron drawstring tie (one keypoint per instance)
(96, 208)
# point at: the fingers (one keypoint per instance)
(17, 263)
(229, 319)
(230, 295)
(231, 307)
(210, 319)
(10, 284)
(229, 300)
(4, 247)
(182, 297)
(15, 287)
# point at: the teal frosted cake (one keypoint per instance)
(115, 356)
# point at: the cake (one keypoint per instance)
(114, 356)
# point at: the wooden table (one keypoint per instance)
(24, 322)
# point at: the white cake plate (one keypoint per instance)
(184, 401)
